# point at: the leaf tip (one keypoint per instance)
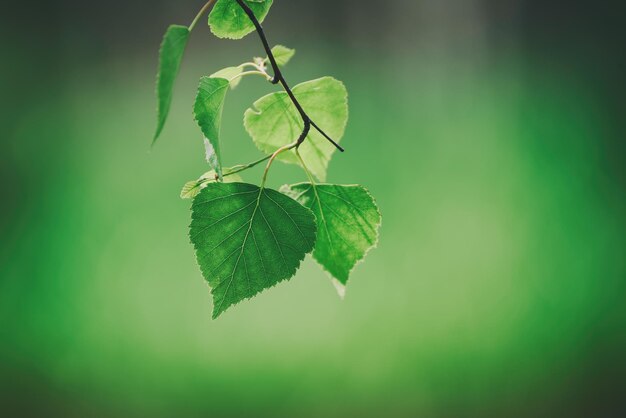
(216, 313)
(340, 288)
(155, 137)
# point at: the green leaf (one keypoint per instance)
(347, 221)
(228, 20)
(248, 239)
(282, 54)
(274, 121)
(231, 74)
(192, 188)
(170, 57)
(208, 113)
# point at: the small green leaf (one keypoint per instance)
(208, 113)
(231, 74)
(248, 239)
(274, 121)
(192, 188)
(170, 57)
(347, 222)
(228, 19)
(282, 54)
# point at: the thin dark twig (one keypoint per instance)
(326, 136)
(278, 78)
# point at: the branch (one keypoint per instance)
(278, 78)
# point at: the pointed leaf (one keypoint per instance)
(208, 113)
(347, 222)
(282, 55)
(273, 121)
(248, 239)
(170, 57)
(228, 19)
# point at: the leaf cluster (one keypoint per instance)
(247, 237)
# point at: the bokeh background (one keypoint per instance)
(490, 132)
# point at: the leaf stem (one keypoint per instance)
(240, 168)
(248, 64)
(243, 167)
(202, 11)
(314, 185)
(273, 157)
(245, 73)
(305, 168)
(279, 78)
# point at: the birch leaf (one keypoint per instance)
(347, 222)
(170, 57)
(248, 239)
(273, 121)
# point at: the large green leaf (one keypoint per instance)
(248, 239)
(347, 222)
(228, 20)
(274, 121)
(208, 113)
(170, 57)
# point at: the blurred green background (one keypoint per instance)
(490, 132)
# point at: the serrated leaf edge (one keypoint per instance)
(160, 126)
(283, 189)
(269, 150)
(236, 38)
(213, 315)
(195, 118)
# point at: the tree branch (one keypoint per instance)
(278, 78)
